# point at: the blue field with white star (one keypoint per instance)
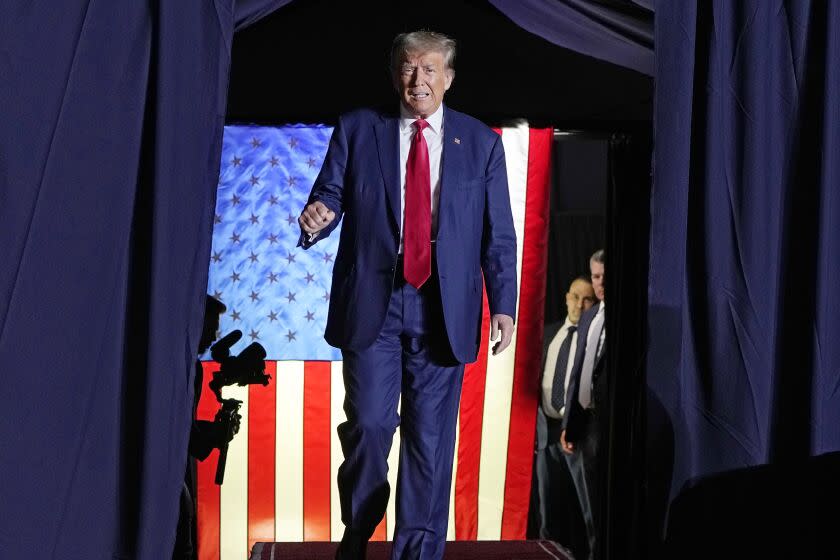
(276, 293)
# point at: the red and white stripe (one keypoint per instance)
(280, 480)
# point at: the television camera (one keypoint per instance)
(246, 368)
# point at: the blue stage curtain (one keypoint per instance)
(111, 129)
(744, 310)
(620, 31)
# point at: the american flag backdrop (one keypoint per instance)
(280, 480)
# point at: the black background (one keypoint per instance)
(314, 59)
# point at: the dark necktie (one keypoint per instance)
(558, 388)
(417, 225)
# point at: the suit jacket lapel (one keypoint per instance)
(450, 164)
(388, 145)
(583, 334)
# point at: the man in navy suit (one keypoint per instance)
(424, 199)
(586, 403)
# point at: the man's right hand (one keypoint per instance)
(568, 447)
(315, 217)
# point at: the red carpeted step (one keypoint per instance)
(464, 550)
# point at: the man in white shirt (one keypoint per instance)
(555, 510)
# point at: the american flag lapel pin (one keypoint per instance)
(457, 140)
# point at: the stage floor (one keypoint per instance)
(463, 550)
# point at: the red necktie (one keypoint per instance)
(417, 227)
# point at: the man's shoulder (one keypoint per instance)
(470, 123)
(551, 329)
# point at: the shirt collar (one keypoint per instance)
(435, 120)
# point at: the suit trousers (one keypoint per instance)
(583, 466)
(411, 358)
(556, 513)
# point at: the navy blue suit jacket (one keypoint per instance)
(573, 418)
(360, 182)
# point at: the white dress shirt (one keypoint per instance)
(551, 366)
(434, 140)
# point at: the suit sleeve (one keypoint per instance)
(572, 417)
(329, 186)
(498, 243)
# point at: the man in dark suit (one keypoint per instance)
(555, 509)
(583, 420)
(424, 199)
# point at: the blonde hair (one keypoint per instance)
(423, 41)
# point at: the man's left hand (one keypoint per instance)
(504, 324)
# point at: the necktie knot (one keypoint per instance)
(572, 328)
(420, 124)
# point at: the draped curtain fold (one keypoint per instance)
(109, 156)
(743, 360)
(618, 31)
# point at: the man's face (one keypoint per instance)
(421, 79)
(597, 270)
(580, 297)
